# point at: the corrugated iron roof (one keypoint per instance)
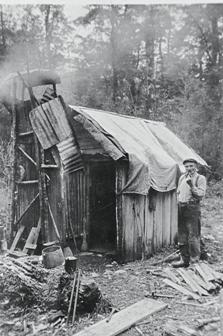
(155, 153)
(70, 155)
(50, 123)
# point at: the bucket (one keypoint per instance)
(52, 256)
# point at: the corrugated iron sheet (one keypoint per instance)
(50, 123)
(76, 201)
(70, 155)
(141, 229)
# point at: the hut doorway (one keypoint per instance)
(102, 207)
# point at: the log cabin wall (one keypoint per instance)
(144, 223)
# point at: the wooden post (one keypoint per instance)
(11, 228)
(41, 175)
(120, 171)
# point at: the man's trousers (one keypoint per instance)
(189, 231)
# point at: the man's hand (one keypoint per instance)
(189, 182)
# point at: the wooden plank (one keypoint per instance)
(208, 271)
(12, 204)
(172, 276)
(210, 286)
(201, 282)
(201, 290)
(17, 237)
(124, 319)
(27, 156)
(201, 272)
(188, 280)
(48, 166)
(203, 275)
(25, 133)
(54, 223)
(218, 275)
(174, 218)
(27, 208)
(31, 241)
(181, 289)
(28, 182)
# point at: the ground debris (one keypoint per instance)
(176, 328)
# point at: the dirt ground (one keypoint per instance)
(125, 288)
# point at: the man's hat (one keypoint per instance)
(189, 160)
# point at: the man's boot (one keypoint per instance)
(180, 263)
(184, 258)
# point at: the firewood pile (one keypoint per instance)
(196, 282)
(20, 283)
(24, 284)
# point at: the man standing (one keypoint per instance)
(191, 189)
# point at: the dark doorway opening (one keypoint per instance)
(102, 207)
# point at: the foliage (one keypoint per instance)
(162, 62)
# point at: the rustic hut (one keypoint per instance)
(104, 179)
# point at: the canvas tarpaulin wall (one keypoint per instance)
(153, 162)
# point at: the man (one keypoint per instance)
(191, 189)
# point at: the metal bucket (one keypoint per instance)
(52, 256)
(70, 265)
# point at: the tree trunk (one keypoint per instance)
(114, 55)
(48, 35)
(3, 30)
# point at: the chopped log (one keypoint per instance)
(181, 289)
(88, 299)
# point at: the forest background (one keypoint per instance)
(161, 62)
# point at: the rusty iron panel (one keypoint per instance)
(86, 142)
(70, 155)
(50, 123)
(76, 201)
